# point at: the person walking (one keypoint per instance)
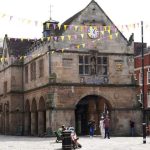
(101, 126)
(91, 128)
(132, 126)
(107, 127)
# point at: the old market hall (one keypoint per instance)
(78, 71)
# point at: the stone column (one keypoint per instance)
(27, 123)
(34, 123)
(6, 123)
(1, 122)
(48, 120)
(41, 123)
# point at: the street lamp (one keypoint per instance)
(143, 100)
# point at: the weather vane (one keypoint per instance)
(50, 12)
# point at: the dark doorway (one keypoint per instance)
(89, 108)
(81, 118)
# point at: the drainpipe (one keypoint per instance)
(49, 130)
(23, 113)
(143, 89)
(49, 61)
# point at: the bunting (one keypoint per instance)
(36, 22)
(78, 46)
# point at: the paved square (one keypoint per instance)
(95, 143)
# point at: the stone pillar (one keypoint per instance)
(27, 123)
(34, 123)
(15, 123)
(48, 120)
(41, 123)
(1, 121)
(6, 123)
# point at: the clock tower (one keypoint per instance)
(49, 28)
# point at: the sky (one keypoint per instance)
(18, 17)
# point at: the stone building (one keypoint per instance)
(77, 72)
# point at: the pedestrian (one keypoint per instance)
(74, 138)
(107, 127)
(132, 128)
(101, 126)
(91, 128)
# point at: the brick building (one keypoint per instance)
(75, 73)
(138, 73)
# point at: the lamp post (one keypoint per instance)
(143, 100)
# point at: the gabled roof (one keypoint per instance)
(18, 47)
(70, 20)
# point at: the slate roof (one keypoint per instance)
(18, 47)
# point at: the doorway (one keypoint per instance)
(91, 107)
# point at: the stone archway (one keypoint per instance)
(34, 118)
(27, 122)
(41, 117)
(90, 107)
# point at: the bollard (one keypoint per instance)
(66, 140)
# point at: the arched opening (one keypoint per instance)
(41, 117)
(27, 122)
(91, 107)
(34, 118)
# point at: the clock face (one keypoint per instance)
(93, 32)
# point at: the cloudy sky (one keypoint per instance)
(23, 18)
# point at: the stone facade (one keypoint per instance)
(88, 68)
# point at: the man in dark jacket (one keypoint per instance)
(132, 124)
(107, 127)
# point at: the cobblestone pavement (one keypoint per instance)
(95, 143)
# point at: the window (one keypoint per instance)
(141, 96)
(26, 74)
(84, 65)
(148, 99)
(102, 65)
(140, 78)
(33, 71)
(148, 76)
(93, 65)
(140, 99)
(5, 88)
(41, 68)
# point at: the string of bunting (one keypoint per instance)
(36, 23)
(76, 46)
(74, 36)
